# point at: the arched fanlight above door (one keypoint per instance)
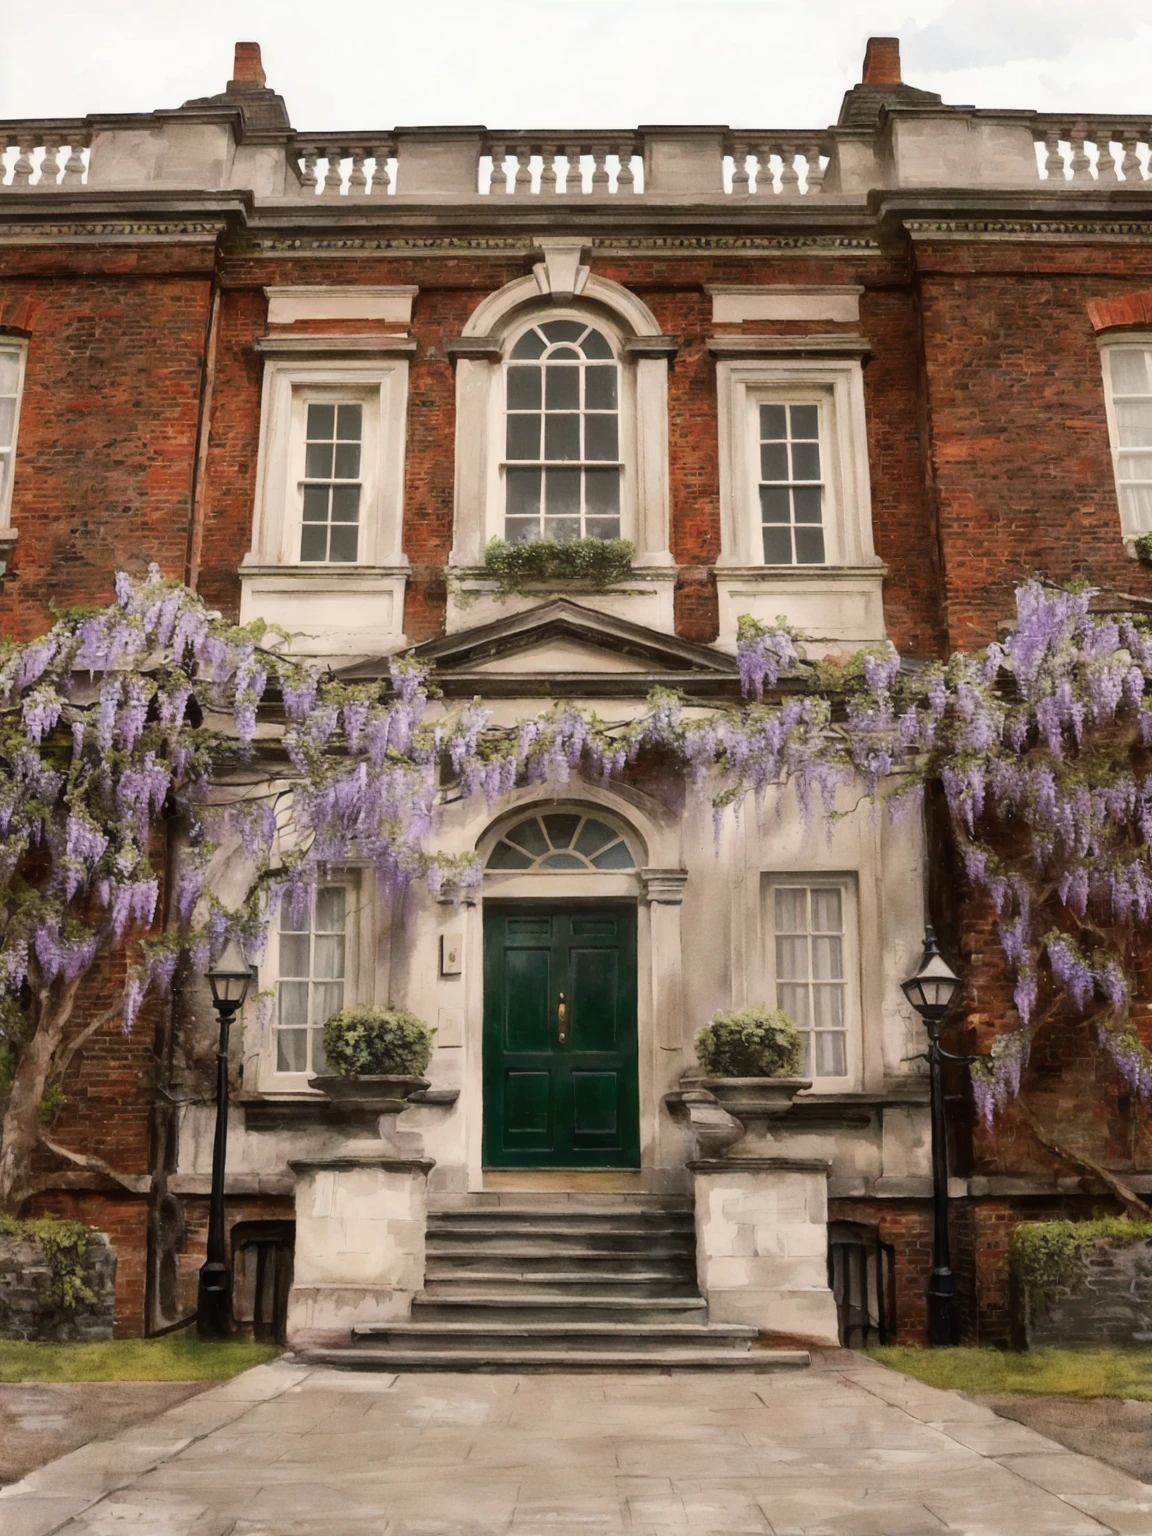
(561, 840)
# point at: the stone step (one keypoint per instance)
(584, 1218)
(521, 1258)
(560, 1236)
(512, 1359)
(477, 1305)
(494, 1338)
(550, 1201)
(558, 1282)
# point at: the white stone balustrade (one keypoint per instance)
(573, 165)
(1083, 149)
(909, 149)
(790, 164)
(39, 156)
(337, 166)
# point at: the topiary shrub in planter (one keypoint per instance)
(595, 563)
(754, 1042)
(377, 1042)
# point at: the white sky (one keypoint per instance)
(365, 64)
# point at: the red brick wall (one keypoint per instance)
(1018, 438)
(108, 420)
(906, 1225)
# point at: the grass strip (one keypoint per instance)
(1040, 1372)
(176, 1357)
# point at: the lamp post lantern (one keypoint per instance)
(229, 979)
(931, 992)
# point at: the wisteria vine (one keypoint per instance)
(119, 718)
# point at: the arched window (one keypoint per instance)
(561, 840)
(562, 441)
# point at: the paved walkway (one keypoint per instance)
(43, 1419)
(846, 1449)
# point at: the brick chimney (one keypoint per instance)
(247, 70)
(881, 60)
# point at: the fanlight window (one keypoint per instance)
(562, 451)
(561, 840)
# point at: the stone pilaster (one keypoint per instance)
(361, 1219)
(762, 1243)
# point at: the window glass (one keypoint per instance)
(791, 485)
(11, 359)
(808, 922)
(313, 973)
(1131, 372)
(332, 482)
(561, 840)
(562, 420)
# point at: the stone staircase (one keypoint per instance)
(559, 1287)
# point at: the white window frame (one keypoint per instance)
(625, 461)
(359, 975)
(1137, 341)
(495, 325)
(846, 884)
(496, 493)
(289, 386)
(18, 345)
(837, 387)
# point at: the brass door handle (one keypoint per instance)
(562, 1019)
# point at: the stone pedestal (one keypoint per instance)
(762, 1243)
(361, 1216)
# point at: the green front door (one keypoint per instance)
(560, 1075)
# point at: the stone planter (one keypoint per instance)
(733, 1114)
(762, 1098)
(382, 1093)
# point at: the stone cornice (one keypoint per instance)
(416, 245)
(787, 346)
(1045, 231)
(484, 349)
(335, 346)
(664, 886)
(111, 231)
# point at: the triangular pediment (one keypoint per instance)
(561, 648)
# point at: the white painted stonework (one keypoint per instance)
(762, 1244)
(735, 303)
(360, 1223)
(288, 304)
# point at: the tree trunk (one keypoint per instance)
(20, 1131)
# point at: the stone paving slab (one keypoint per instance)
(40, 1420)
(845, 1449)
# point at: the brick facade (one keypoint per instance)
(989, 457)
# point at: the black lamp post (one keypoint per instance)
(229, 979)
(930, 992)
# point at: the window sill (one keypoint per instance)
(837, 606)
(644, 597)
(329, 610)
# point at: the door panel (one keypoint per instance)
(560, 1091)
(593, 1019)
(526, 999)
(528, 1108)
(595, 1102)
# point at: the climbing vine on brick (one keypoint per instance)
(120, 721)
